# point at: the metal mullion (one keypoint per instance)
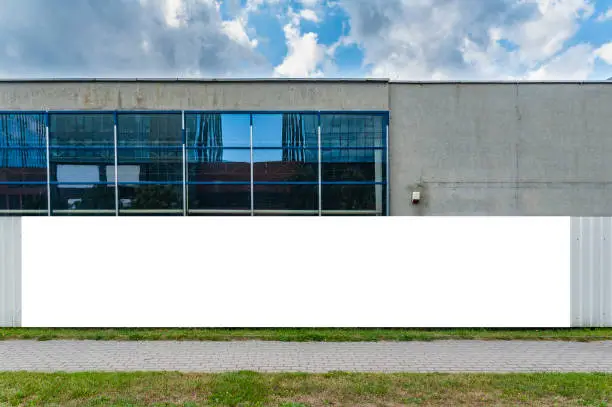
(387, 174)
(48, 164)
(183, 133)
(252, 167)
(116, 166)
(319, 165)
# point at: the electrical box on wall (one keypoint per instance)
(416, 197)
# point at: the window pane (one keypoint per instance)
(23, 197)
(353, 197)
(285, 165)
(165, 198)
(23, 164)
(81, 164)
(81, 129)
(227, 165)
(22, 130)
(286, 197)
(23, 155)
(150, 164)
(285, 130)
(352, 130)
(217, 130)
(71, 197)
(149, 129)
(352, 165)
(219, 197)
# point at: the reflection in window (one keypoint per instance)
(274, 166)
(219, 197)
(361, 165)
(294, 132)
(352, 162)
(23, 156)
(155, 198)
(234, 167)
(287, 197)
(218, 163)
(150, 164)
(79, 197)
(23, 197)
(149, 129)
(352, 130)
(221, 162)
(81, 149)
(341, 197)
(81, 129)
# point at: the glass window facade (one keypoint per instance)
(193, 163)
(81, 151)
(23, 163)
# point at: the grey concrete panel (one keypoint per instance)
(464, 135)
(513, 149)
(10, 271)
(566, 133)
(565, 198)
(194, 95)
(461, 198)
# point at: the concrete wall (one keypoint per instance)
(194, 95)
(501, 149)
(10, 271)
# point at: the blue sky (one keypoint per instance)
(397, 39)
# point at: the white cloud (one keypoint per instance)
(304, 53)
(545, 34)
(309, 15)
(236, 30)
(605, 16)
(576, 63)
(605, 52)
(173, 12)
(125, 38)
(423, 39)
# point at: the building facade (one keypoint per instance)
(312, 148)
(253, 147)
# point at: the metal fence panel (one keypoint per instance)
(591, 271)
(10, 271)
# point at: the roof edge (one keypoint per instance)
(295, 80)
(194, 80)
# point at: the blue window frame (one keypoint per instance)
(82, 159)
(23, 163)
(218, 148)
(150, 162)
(245, 163)
(353, 162)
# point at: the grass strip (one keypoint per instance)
(300, 390)
(304, 334)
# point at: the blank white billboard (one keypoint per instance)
(296, 272)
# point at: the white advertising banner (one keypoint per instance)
(296, 272)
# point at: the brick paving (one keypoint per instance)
(264, 356)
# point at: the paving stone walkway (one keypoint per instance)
(263, 356)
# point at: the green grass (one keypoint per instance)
(306, 334)
(300, 390)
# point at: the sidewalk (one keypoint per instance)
(263, 356)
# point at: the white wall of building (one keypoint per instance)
(288, 272)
